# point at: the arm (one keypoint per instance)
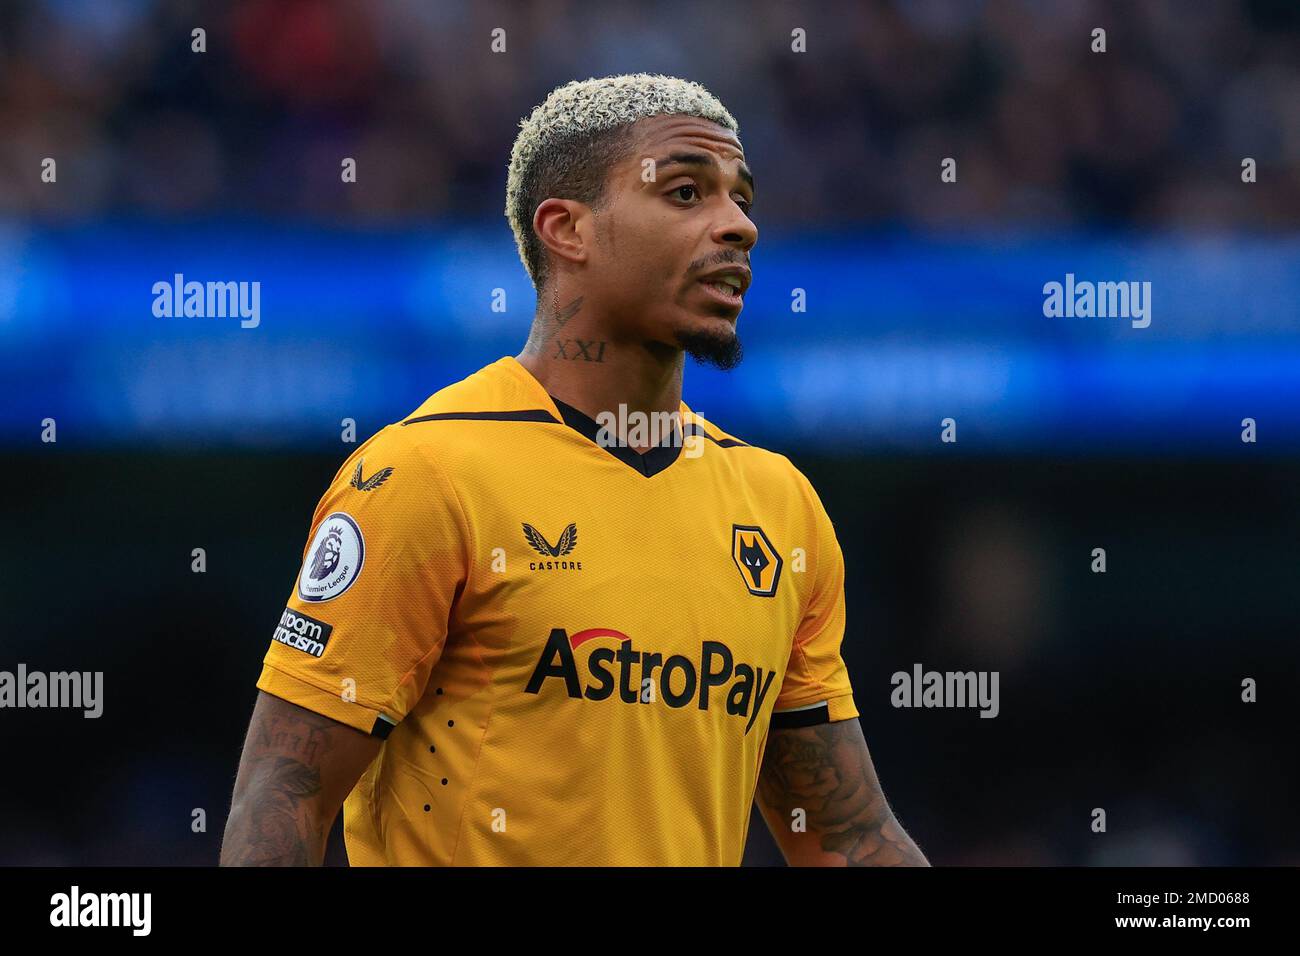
(296, 769)
(826, 770)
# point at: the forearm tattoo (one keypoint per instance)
(826, 771)
(274, 820)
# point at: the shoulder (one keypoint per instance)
(496, 390)
(453, 416)
(773, 478)
(416, 443)
(760, 465)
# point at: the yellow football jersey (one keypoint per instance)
(572, 651)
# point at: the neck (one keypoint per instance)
(572, 353)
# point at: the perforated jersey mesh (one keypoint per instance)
(455, 630)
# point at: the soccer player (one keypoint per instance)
(533, 628)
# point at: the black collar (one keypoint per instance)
(651, 463)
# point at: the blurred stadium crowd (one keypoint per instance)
(1121, 689)
(1047, 133)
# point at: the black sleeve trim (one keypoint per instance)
(525, 415)
(821, 714)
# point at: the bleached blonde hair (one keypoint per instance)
(567, 145)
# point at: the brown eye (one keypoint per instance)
(694, 189)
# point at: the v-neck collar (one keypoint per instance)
(655, 460)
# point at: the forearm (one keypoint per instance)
(820, 797)
(276, 820)
(875, 841)
(296, 768)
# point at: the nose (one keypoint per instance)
(736, 229)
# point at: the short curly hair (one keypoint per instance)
(566, 147)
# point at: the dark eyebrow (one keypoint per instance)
(700, 159)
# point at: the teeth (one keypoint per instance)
(728, 285)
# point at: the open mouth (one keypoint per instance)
(725, 289)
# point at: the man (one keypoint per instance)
(532, 628)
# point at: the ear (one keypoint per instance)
(562, 225)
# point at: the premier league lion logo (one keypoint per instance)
(326, 558)
(335, 556)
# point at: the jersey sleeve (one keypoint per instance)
(816, 687)
(367, 616)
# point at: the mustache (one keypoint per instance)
(719, 259)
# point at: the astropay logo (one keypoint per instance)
(684, 680)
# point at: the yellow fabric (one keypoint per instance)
(454, 611)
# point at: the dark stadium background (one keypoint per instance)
(1118, 690)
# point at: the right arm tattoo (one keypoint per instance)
(276, 816)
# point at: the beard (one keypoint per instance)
(721, 349)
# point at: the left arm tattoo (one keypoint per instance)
(826, 771)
